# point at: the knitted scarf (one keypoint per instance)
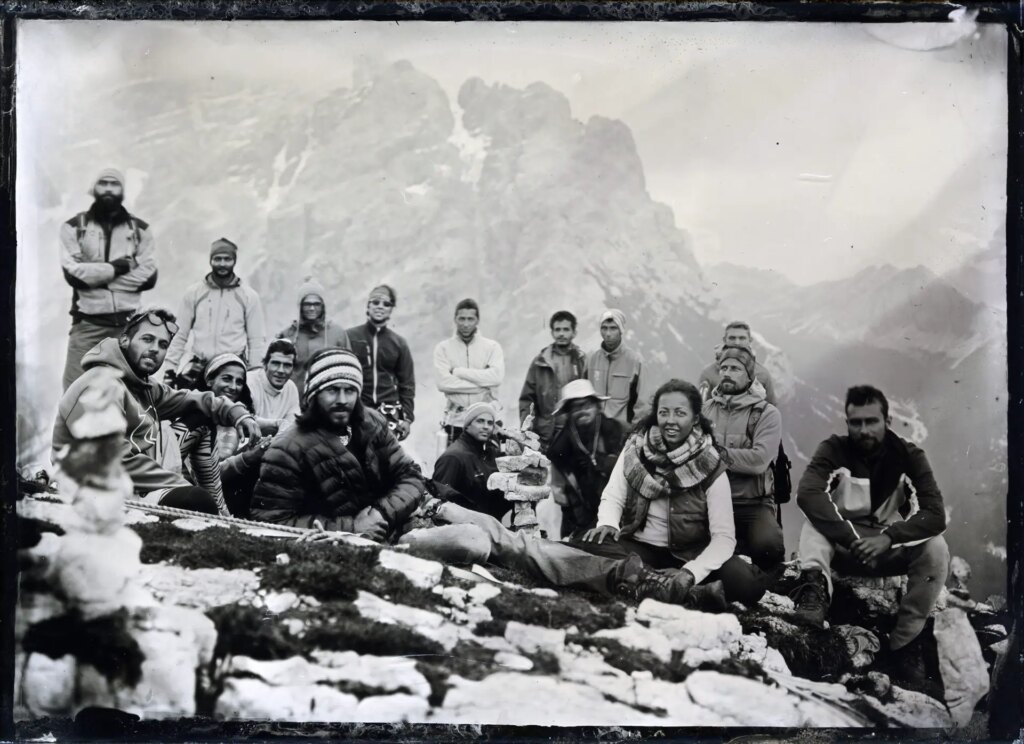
(652, 470)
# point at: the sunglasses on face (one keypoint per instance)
(382, 303)
(154, 318)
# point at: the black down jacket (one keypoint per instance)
(308, 474)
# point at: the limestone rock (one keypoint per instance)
(963, 668)
(534, 700)
(532, 638)
(389, 673)
(47, 685)
(193, 524)
(777, 604)
(742, 701)
(690, 628)
(93, 571)
(277, 603)
(454, 595)
(254, 699)
(200, 588)
(515, 662)
(502, 481)
(822, 703)
(483, 592)
(754, 647)
(429, 624)
(175, 643)
(420, 572)
(915, 710)
(392, 709)
(519, 492)
(640, 638)
(673, 698)
(861, 643)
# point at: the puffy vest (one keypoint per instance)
(688, 529)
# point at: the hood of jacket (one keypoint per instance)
(108, 354)
(312, 287)
(544, 359)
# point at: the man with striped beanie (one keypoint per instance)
(340, 465)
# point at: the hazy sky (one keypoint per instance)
(767, 140)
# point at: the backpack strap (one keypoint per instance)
(754, 419)
(135, 232)
(80, 227)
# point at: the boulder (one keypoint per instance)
(278, 602)
(914, 709)
(392, 709)
(46, 686)
(533, 638)
(519, 492)
(961, 664)
(254, 699)
(687, 629)
(515, 662)
(744, 702)
(389, 673)
(534, 700)
(176, 643)
(420, 572)
(199, 588)
(754, 647)
(429, 624)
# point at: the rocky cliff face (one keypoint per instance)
(504, 196)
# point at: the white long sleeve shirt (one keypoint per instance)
(468, 373)
(655, 529)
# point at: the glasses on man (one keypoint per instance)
(157, 319)
(382, 303)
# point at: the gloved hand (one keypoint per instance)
(121, 265)
(402, 430)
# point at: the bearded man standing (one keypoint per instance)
(109, 258)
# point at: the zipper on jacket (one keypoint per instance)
(374, 361)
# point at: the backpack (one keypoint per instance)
(780, 466)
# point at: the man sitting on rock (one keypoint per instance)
(857, 494)
(469, 461)
(583, 452)
(150, 455)
(340, 465)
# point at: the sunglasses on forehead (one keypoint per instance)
(155, 318)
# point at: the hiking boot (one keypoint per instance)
(635, 580)
(811, 599)
(707, 597)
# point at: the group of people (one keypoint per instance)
(670, 495)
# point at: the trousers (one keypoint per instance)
(475, 537)
(925, 564)
(82, 337)
(758, 534)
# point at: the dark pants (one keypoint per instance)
(758, 534)
(742, 582)
(82, 337)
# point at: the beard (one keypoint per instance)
(108, 203)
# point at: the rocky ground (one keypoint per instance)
(351, 631)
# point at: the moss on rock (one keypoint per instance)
(562, 612)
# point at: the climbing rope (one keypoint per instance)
(171, 511)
